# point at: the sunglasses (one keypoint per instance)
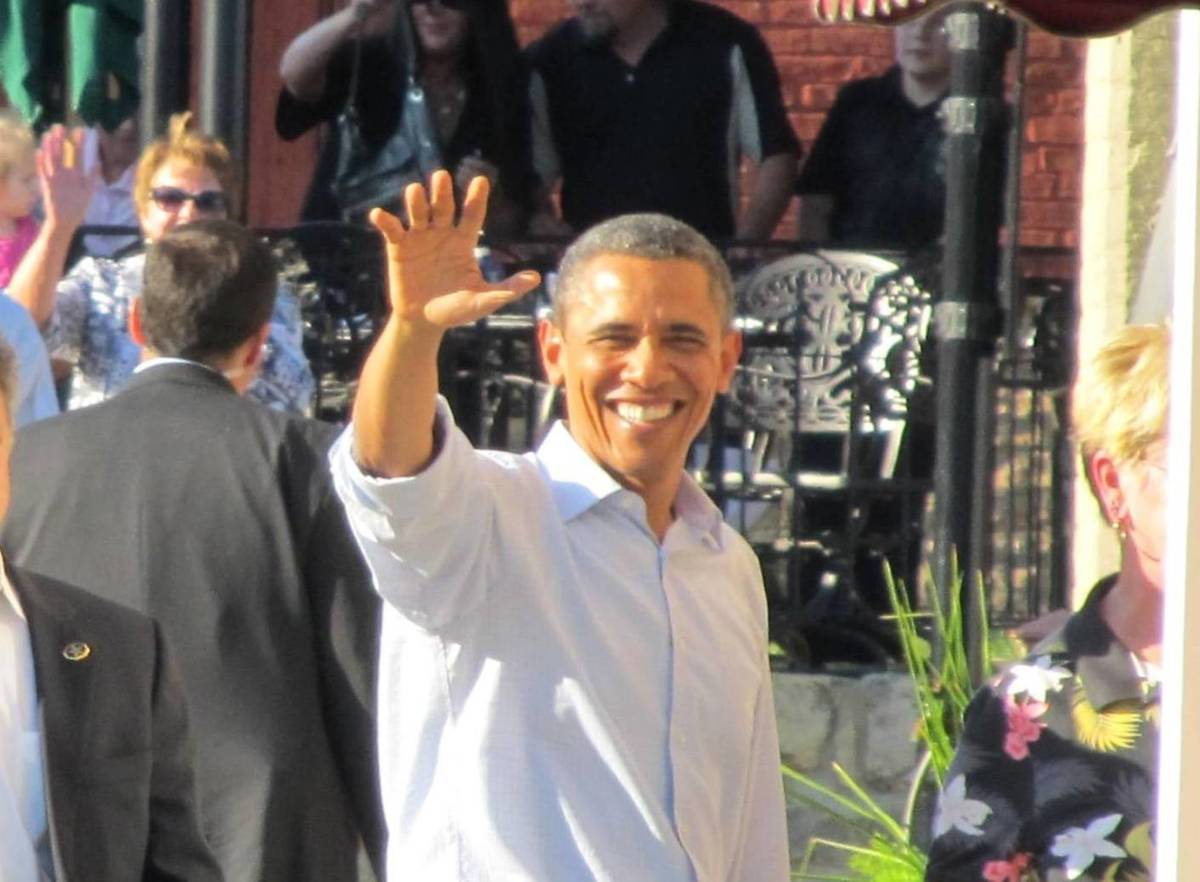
(172, 199)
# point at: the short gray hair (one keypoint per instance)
(652, 236)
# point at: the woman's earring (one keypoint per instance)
(1119, 528)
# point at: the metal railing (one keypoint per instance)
(821, 553)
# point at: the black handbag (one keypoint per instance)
(368, 176)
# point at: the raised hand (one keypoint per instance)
(67, 189)
(373, 17)
(434, 281)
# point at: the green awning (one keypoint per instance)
(97, 79)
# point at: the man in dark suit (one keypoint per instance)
(216, 516)
(96, 775)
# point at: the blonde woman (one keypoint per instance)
(181, 177)
(1054, 778)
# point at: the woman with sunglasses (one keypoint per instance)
(182, 177)
(472, 75)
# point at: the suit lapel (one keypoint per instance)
(65, 691)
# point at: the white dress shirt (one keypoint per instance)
(22, 796)
(111, 206)
(562, 697)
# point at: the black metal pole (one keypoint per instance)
(165, 64)
(224, 72)
(967, 320)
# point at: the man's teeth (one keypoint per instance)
(643, 413)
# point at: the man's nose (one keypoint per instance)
(187, 211)
(647, 364)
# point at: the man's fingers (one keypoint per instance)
(388, 225)
(474, 208)
(416, 206)
(441, 185)
(522, 283)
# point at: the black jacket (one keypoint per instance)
(120, 791)
(217, 517)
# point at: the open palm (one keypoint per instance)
(433, 276)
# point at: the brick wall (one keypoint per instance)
(814, 59)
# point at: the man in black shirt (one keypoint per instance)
(650, 105)
(876, 175)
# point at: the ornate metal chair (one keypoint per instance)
(337, 272)
(827, 450)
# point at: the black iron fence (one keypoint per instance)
(822, 453)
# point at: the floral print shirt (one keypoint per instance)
(1054, 778)
(90, 329)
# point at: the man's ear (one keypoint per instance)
(135, 323)
(254, 352)
(550, 343)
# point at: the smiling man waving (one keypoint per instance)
(573, 678)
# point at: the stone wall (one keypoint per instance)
(865, 724)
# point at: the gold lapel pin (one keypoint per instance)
(76, 651)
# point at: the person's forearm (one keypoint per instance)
(396, 400)
(34, 284)
(307, 58)
(773, 181)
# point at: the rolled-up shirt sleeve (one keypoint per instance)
(423, 537)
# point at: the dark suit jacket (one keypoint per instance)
(120, 793)
(217, 517)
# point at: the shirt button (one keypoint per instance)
(629, 78)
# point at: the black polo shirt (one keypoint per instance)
(882, 160)
(666, 135)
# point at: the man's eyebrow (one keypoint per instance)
(610, 328)
(686, 328)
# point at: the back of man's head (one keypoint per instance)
(209, 287)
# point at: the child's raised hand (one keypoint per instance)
(67, 188)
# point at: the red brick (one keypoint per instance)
(780, 12)
(1039, 186)
(788, 41)
(1060, 159)
(1070, 101)
(817, 69)
(1040, 102)
(1062, 129)
(807, 127)
(1038, 238)
(852, 41)
(1068, 187)
(1053, 74)
(1054, 215)
(817, 97)
(1043, 45)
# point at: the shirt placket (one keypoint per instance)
(683, 695)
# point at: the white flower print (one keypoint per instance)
(1035, 679)
(1082, 846)
(957, 812)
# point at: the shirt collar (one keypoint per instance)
(123, 183)
(8, 594)
(1104, 665)
(578, 482)
(166, 359)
